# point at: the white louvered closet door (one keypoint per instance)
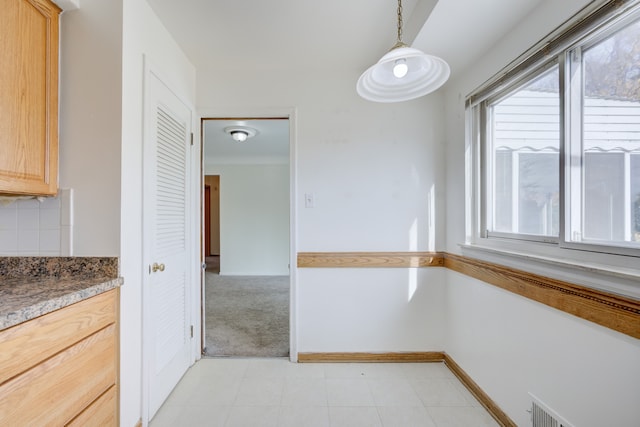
(166, 217)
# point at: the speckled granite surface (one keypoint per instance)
(33, 286)
(31, 267)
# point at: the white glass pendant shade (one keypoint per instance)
(424, 74)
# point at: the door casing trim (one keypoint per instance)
(289, 113)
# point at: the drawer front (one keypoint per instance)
(54, 392)
(27, 344)
(101, 413)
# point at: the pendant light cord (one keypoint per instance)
(399, 43)
(399, 21)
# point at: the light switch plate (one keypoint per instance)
(309, 200)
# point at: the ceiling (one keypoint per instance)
(461, 31)
(281, 34)
(328, 34)
(298, 34)
(270, 144)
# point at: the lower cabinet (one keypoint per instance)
(62, 368)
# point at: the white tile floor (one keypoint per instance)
(276, 392)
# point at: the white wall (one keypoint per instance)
(254, 219)
(371, 310)
(377, 174)
(143, 35)
(510, 345)
(90, 123)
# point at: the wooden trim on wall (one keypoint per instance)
(369, 259)
(612, 311)
(410, 357)
(615, 312)
(492, 407)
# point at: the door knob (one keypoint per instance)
(157, 267)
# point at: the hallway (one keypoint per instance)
(275, 392)
(246, 316)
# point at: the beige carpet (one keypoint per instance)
(246, 316)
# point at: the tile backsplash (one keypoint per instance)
(37, 227)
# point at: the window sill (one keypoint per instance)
(611, 273)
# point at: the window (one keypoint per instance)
(523, 146)
(604, 79)
(559, 140)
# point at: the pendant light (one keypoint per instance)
(403, 73)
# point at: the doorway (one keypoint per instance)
(246, 301)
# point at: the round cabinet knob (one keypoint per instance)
(157, 267)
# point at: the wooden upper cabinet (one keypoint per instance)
(29, 97)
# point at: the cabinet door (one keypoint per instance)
(29, 97)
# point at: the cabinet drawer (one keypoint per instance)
(101, 413)
(27, 344)
(54, 392)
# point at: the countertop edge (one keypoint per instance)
(46, 306)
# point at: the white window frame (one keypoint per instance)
(486, 160)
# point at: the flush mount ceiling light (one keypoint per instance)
(403, 73)
(240, 133)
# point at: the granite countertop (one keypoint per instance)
(33, 286)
